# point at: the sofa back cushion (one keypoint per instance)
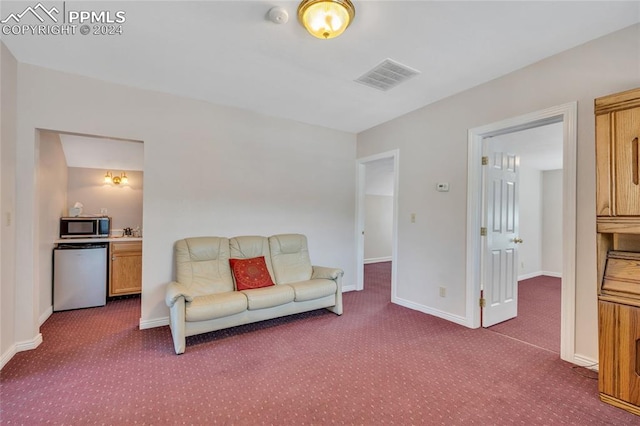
(250, 246)
(250, 273)
(290, 258)
(202, 265)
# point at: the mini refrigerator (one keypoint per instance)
(79, 276)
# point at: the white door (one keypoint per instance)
(500, 254)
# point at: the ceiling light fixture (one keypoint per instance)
(116, 180)
(326, 18)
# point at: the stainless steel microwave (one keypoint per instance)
(85, 227)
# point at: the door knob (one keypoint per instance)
(518, 240)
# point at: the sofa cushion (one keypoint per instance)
(248, 246)
(202, 265)
(313, 289)
(214, 306)
(290, 258)
(268, 297)
(250, 273)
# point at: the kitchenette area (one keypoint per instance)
(92, 263)
(91, 238)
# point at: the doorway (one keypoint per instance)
(382, 186)
(567, 115)
(71, 168)
(537, 269)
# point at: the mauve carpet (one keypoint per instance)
(378, 363)
(538, 320)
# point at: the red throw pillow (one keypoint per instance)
(250, 273)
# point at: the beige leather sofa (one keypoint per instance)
(204, 297)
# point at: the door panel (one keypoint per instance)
(496, 217)
(627, 162)
(511, 206)
(500, 254)
(510, 269)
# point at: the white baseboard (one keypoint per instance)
(529, 275)
(25, 345)
(153, 323)
(346, 288)
(6, 357)
(538, 274)
(584, 361)
(46, 314)
(378, 259)
(435, 312)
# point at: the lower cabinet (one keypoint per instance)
(619, 330)
(125, 268)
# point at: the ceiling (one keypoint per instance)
(102, 153)
(228, 53)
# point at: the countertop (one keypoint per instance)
(97, 240)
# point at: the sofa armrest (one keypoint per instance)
(326, 273)
(175, 291)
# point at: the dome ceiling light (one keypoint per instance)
(326, 18)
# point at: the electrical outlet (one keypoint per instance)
(442, 187)
(413, 218)
(443, 292)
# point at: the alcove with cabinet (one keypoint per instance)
(125, 268)
(618, 245)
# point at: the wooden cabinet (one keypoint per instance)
(617, 154)
(125, 268)
(619, 382)
(618, 248)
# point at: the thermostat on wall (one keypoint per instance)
(442, 187)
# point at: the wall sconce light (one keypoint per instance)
(116, 180)
(326, 18)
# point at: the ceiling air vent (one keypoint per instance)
(386, 75)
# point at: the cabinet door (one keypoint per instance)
(125, 268)
(619, 352)
(626, 164)
(604, 184)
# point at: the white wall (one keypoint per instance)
(378, 210)
(433, 146)
(123, 202)
(530, 220)
(8, 137)
(378, 228)
(552, 222)
(209, 170)
(52, 199)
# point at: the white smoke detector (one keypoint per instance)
(278, 15)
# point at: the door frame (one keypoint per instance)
(567, 114)
(361, 164)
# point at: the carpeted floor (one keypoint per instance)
(538, 320)
(378, 363)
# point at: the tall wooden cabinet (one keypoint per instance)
(125, 268)
(618, 240)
